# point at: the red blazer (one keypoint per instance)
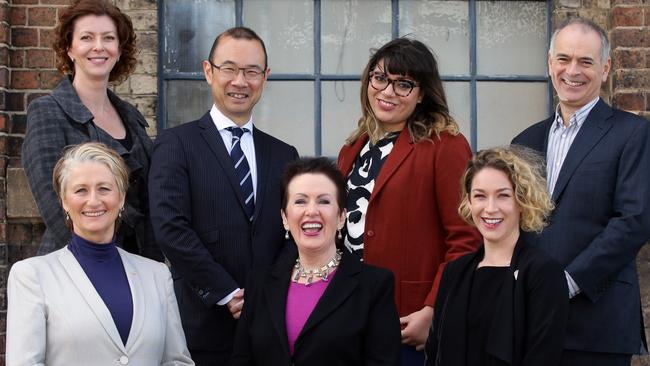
(412, 223)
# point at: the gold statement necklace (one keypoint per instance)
(322, 272)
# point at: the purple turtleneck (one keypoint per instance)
(104, 268)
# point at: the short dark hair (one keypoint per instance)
(125, 33)
(314, 166)
(239, 33)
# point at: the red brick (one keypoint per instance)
(631, 79)
(56, 2)
(25, 2)
(3, 102)
(4, 77)
(628, 59)
(5, 12)
(646, 11)
(4, 121)
(24, 37)
(627, 16)
(49, 79)
(14, 101)
(18, 123)
(647, 102)
(3, 237)
(630, 101)
(24, 79)
(42, 16)
(16, 58)
(4, 33)
(4, 56)
(47, 37)
(40, 58)
(624, 2)
(18, 16)
(14, 145)
(631, 37)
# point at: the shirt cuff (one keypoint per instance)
(227, 299)
(574, 289)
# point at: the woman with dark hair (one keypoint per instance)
(403, 164)
(95, 46)
(321, 306)
(506, 304)
(92, 303)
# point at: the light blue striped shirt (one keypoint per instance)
(560, 138)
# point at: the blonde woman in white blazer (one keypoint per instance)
(72, 307)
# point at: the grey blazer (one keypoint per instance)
(59, 120)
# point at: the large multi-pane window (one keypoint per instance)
(492, 57)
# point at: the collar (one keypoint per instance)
(578, 118)
(222, 122)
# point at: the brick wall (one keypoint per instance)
(27, 71)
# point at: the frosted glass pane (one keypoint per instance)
(511, 37)
(286, 26)
(286, 111)
(349, 30)
(341, 110)
(190, 28)
(443, 26)
(459, 105)
(186, 100)
(505, 109)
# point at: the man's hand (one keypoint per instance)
(415, 327)
(236, 303)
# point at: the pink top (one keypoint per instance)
(301, 301)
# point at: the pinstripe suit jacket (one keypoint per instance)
(201, 225)
(61, 119)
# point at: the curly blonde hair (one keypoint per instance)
(414, 59)
(525, 170)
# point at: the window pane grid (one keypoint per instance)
(471, 78)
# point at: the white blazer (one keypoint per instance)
(56, 317)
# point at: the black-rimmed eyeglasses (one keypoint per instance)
(402, 87)
(230, 71)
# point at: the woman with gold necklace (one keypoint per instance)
(323, 307)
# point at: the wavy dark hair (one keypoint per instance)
(125, 33)
(412, 58)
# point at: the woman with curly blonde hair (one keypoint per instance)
(95, 46)
(506, 304)
(402, 165)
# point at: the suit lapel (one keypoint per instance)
(87, 290)
(275, 292)
(214, 141)
(341, 287)
(402, 148)
(137, 294)
(262, 156)
(349, 155)
(593, 129)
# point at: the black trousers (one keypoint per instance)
(580, 358)
(206, 358)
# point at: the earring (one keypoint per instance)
(67, 216)
(119, 214)
(286, 234)
(72, 59)
(339, 236)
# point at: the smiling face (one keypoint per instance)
(236, 97)
(495, 211)
(391, 110)
(95, 47)
(576, 68)
(92, 199)
(312, 214)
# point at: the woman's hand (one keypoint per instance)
(415, 327)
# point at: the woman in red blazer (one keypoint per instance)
(404, 163)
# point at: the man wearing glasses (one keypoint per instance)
(215, 196)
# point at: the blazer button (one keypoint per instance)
(370, 233)
(124, 360)
(200, 292)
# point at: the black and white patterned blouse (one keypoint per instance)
(361, 182)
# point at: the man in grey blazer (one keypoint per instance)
(598, 161)
(215, 196)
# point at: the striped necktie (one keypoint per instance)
(242, 169)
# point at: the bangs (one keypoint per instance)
(405, 64)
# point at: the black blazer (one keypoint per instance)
(528, 327)
(601, 220)
(355, 322)
(61, 119)
(200, 222)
